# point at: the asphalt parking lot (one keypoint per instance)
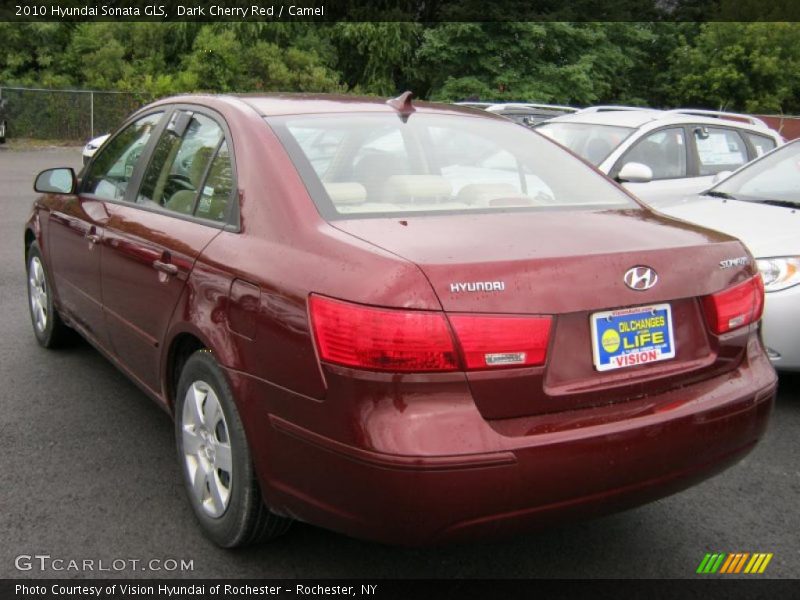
(90, 472)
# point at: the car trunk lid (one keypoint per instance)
(571, 264)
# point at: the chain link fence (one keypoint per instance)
(70, 115)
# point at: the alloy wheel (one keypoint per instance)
(207, 449)
(37, 292)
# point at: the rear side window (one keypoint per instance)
(429, 163)
(663, 151)
(179, 165)
(719, 150)
(761, 143)
(215, 197)
(112, 168)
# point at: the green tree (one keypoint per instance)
(752, 67)
(215, 63)
(31, 54)
(546, 62)
(221, 62)
(269, 67)
(375, 58)
(740, 66)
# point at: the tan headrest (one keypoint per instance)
(483, 193)
(346, 192)
(417, 186)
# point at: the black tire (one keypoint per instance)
(242, 518)
(54, 333)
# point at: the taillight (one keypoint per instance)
(735, 307)
(387, 339)
(502, 341)
(382, 339)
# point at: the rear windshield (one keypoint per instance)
(593, 143)
(380, 165)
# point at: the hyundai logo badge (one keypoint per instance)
(640, 278)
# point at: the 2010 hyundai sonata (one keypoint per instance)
(402, 321)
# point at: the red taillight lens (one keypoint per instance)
(502, 341)
(382, 339)
(386, 339)
(735, 307)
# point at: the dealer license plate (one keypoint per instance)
(632, 336)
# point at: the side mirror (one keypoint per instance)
(56, 181)
(720, 176)
(634, 172)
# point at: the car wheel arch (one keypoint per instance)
(33, 235)
(34, 231)
(30, 237)
(180, 348)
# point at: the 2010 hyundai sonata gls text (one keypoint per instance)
(406, 322)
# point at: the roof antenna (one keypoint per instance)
(402, 104)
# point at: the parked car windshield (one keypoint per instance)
(593, 143)
(356, 164)
(774, 177)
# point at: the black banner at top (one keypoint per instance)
(399, 10)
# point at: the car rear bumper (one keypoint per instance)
(781, 328)
(520, 481)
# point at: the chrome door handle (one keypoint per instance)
(164, 267)
(93, 237)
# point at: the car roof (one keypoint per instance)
(280, 104)
(636, 118)
(529, 109)
(618, 118)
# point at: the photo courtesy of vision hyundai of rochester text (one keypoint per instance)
(403, 321)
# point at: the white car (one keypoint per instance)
(91, 147)
(760, 204)
(662, 153)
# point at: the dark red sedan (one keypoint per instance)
(404, 321)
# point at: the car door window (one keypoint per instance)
(112, 168)
(217, 191)
(179, 165)
(761, 143)
(719, 150)
(664, 151)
